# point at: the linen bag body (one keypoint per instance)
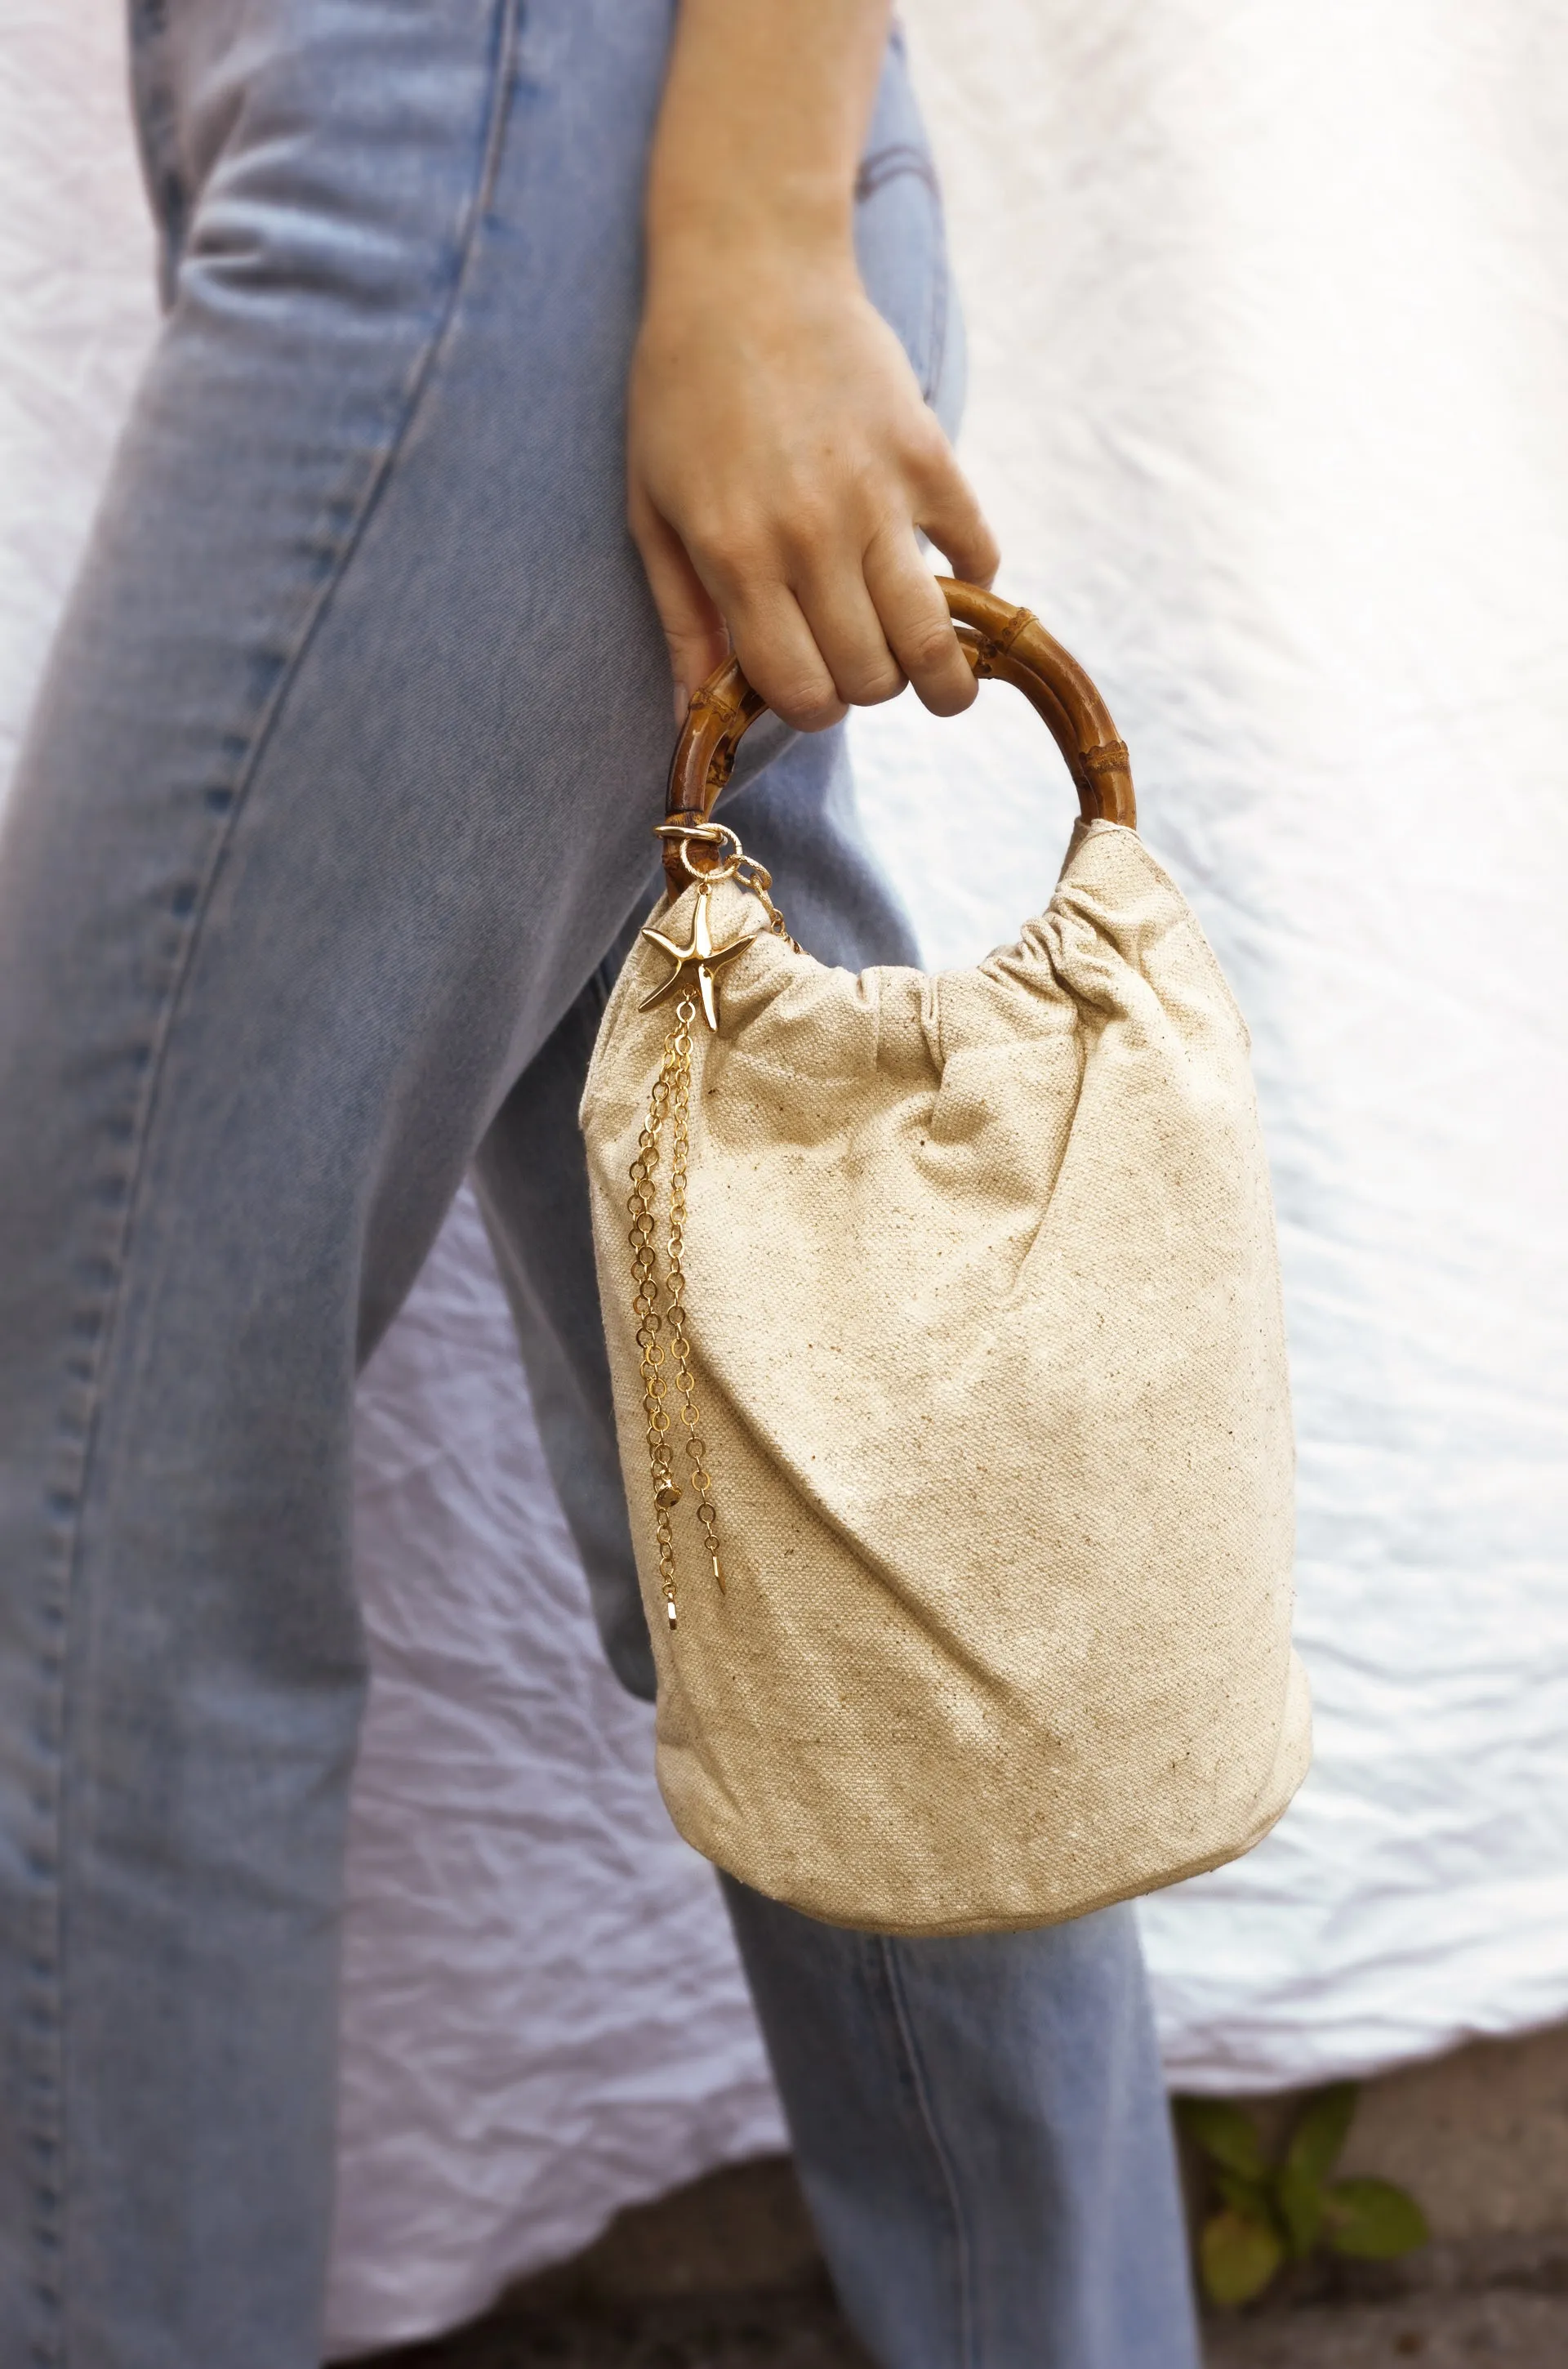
(983, 1302)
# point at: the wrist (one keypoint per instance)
(800, 223)
(748, 254)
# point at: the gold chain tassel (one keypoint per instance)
(669, 1103)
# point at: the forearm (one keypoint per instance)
(781, 462)
(759, 135)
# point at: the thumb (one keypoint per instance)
(694, 628)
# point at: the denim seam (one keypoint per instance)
(968, 2355)
(79, 1436)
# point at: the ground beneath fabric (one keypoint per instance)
(726, 2274)
(801, 2330)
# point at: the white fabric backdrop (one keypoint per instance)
(1270, 404)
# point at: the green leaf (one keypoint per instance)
(1224, 2134)
(1321, 2131)
(1237, 2257)
(1251, 2198)
(1300, 2202)
(1373, 2220)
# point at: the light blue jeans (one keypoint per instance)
(335, 806)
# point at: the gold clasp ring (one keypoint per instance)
(706, 834)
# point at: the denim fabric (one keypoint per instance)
(980, 2130)
(336, 798)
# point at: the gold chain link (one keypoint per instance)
(755, 876)
(661, 1309)
(671, 1102)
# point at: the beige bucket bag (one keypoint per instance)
(945, 1320)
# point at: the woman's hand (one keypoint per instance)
(781, 457)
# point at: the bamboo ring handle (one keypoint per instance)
(1008, 643)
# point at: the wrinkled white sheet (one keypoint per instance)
(77, 310)
(1270, 408)
(1270, 400)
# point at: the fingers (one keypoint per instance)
(846, 620)
(780, 656)
(948, 511)
(851, 635)
(693, 627)
(819, 622)
(913, 616)
(782, 465)
(878, 618)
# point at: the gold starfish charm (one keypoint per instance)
(701, 957)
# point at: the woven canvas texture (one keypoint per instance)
(984, 1305)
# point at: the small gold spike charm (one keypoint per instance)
(700, 958)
